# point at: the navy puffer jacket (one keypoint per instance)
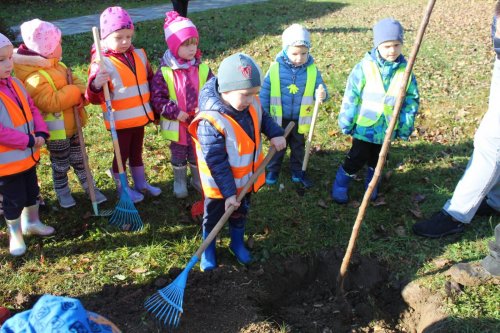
(212, 142)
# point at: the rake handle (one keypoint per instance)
(311, 130)
(385, 148)
(90, 179)
(211, 236)
(107, 98)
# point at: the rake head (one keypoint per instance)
(166, 303)
(125, 215)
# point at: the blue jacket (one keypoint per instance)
(289, 74)
(496, 41)
(352, 101)
(212, 142)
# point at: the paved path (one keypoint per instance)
(77, 25)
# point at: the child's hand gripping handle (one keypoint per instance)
(320, 94)
(211, 236)
(109, 108)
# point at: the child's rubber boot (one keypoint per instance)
(369, 175)
(180, 181)
(208, 260)
(16, 243)
(301, 177)
(340, 186)
(272, 177)
(237, 245)
(31, 224)
(195, 177)
(99, 196)
(140, 183)
(64, 197)
(136, 197)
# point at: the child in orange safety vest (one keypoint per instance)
(22, 133)
(37, 62)
(227, 133)
(127, 72)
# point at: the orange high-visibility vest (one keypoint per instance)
(129, 92)
(14, 161)
(244, 155)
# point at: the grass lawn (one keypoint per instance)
(453, 71)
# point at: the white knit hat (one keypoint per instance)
(296, 35)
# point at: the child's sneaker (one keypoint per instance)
(271, 177)
(300, 177)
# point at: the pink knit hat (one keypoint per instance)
(178, 29)
(4, 41)
(114, 19)
(40, 36)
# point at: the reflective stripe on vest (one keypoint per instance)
(243, 154)
(13, 161)
(375, 101)
(307, 102)
(54, 121)
(129, 92)
(170, 128)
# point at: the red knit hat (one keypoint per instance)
(178, 29)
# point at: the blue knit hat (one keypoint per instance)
(238, 71)
(387, 29)
(58, 314)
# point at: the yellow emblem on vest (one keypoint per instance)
(293, 89)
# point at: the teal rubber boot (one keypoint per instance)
(237, 245)
(341, 186)
(208, 260)
(368, 179)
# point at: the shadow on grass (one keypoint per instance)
(221, 30)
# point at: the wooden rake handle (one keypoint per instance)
(211, 236)
(311, 129)
(90, 179)
(107, 98)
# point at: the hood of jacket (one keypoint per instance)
(24, 65)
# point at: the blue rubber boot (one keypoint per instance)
(369, 175)
(271, 177)
(237, 245)
(341, 186)
(208, 258)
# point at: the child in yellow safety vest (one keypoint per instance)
(288, 94)
(174, 96)
(127, 72)
(22, 133)
(37, 62)
(227, 133)
(368, 103)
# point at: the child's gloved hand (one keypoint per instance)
(182, 116)
(279, 142)
(100, 79)
(320, 93)
(231, 201)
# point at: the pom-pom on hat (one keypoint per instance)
(40, 36)
(296, 35)
(177, 30)
(4, 41)
(113, 19)
(238, 71)
(387, 29)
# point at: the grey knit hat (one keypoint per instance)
(238, 71)
(387, 29)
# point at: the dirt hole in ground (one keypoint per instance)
(295, 294)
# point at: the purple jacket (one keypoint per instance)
(15, 139)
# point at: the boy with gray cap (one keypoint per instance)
(288, 94)
(227, 134)
(368, 104)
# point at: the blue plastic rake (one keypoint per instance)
(166, 303)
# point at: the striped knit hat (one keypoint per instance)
(178, 29)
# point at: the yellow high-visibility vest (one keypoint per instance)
(169, 129)
(307, 102)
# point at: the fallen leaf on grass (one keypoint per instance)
(20, 299)
(322, 203)
(441, 262)
(353, 204)
(120, 277)
(401, 231)
(416, 212)
(267, 230)
(380, 201)
(139, 270)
